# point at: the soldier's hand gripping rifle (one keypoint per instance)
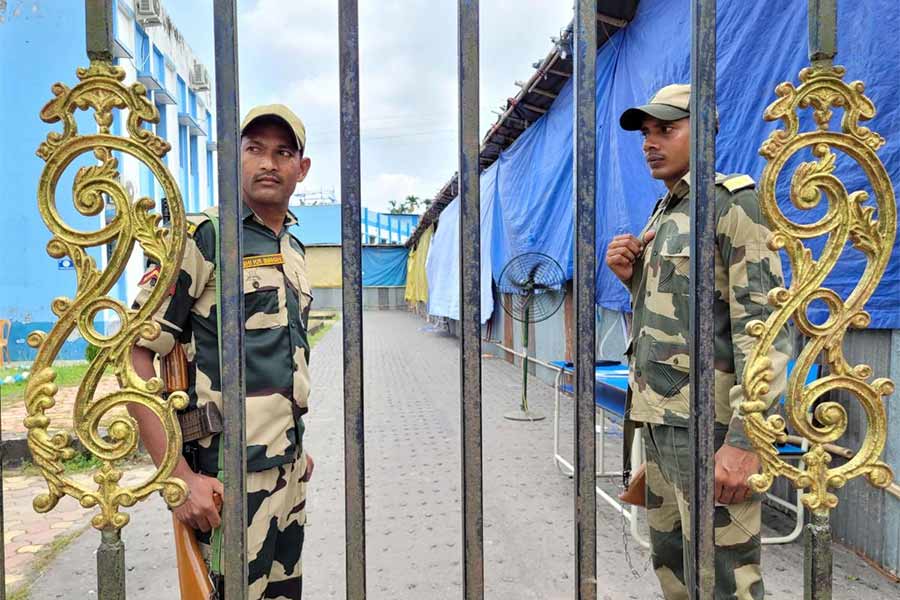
(193, 575)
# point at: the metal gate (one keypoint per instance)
(822, 88)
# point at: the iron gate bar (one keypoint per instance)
(822, 30)
(585, 174)
(98, 21)
(234, 517)
(470, 303)
(818, 558)
(700, 568)
(351, 249)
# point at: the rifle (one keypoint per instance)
(193, 576)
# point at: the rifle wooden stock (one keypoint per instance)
(193, 575)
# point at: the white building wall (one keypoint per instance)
(178, 62)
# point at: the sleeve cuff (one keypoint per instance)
(162, 345)
(736, 436)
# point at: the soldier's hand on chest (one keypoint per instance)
(623, 251)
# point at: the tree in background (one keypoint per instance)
(410, 205)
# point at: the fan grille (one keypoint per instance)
(535, 284)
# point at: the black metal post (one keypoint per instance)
(98, 20)
(700, 569)
(817, 566)
(111, 566)
(585, 175)
(817, 563)
(470, 302)
(234, 557)
(822, 30)
(351, 203)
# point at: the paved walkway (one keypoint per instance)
(413, 506)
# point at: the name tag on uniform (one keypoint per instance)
(265, 260)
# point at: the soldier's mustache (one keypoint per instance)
(267, 176)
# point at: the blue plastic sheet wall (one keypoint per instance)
(384, 267)
(760, 45)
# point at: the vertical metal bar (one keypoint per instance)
(700, 570)
(822, 30)
(470, 301)
(817, 563)
(351, 203)
(234, 558)
(585, 174)
(98, 18)
(818, 560)
(111, 566)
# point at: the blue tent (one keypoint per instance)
(760, 44)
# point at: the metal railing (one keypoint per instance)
(700, 567)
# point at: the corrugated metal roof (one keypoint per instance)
(532, 101)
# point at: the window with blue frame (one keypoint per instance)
(142, 49)
(195, 173)
(159, 66)
(193, 97)
(182, 95)
(210, 182)
(183, 146)
(162, 127)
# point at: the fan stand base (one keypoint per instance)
(524, 415)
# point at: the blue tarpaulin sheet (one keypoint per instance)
(384, 267)
(442, 264)
(760, 44)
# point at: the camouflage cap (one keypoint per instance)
(671, 103)
(281, 112)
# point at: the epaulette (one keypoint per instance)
(195, 220)
(735, 183)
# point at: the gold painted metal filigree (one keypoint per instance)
(848, 220)
(102, 90)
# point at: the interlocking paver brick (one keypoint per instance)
(413, 494)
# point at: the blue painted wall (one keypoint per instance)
(321, 224)
(36, 50)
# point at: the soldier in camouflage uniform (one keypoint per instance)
(655, 266)
(276, 302)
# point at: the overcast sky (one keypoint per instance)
(408, 93)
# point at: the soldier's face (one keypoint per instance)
(667, 148)
(271, 164)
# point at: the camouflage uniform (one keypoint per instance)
(659, 357)
(276, 303)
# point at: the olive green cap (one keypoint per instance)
(671, 103)
(279, 111)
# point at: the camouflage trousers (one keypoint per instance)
(737, 526)
(276, 516)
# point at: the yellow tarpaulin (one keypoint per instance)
(416, 280)
(323, 266)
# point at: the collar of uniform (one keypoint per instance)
(681, 189)
(289, 218)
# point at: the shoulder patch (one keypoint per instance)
(194, 221)
(738, 182)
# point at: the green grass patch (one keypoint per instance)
(320, 333)
(79, 464)
(66, 376)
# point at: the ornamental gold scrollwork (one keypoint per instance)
(101, 88)
(847, 220)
